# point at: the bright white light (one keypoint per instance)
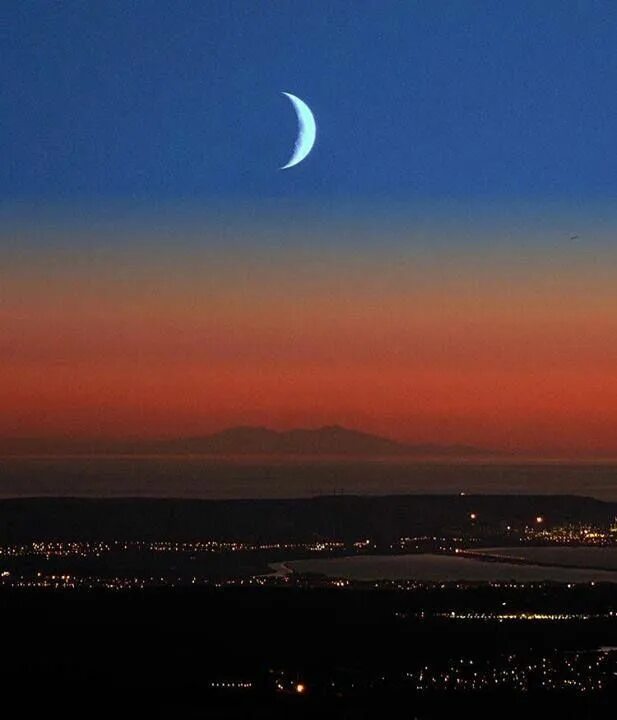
(307, 131)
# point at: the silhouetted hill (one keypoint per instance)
(325, 441)
(329, 440)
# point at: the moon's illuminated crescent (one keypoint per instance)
(307, 131)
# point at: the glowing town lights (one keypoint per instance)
(300, 688)
(539, 519)
(473, 516)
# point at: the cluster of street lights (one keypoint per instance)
(539, 519)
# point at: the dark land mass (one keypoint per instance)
(238, 651)
(241, 441)
(351, 650)
(344, 517)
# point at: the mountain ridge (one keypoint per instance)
(243, 440)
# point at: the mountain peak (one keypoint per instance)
(326, 440)
(242, 440)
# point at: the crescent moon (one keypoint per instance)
(307, 131)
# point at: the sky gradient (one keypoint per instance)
(419, 337)
(441, 268)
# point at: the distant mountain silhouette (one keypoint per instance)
(331, 440)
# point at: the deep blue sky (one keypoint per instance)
(160, 101)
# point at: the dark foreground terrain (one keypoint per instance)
(136, 606)
(278, 652)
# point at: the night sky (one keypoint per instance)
(415, 100)
(441, 267)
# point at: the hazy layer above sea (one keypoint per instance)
(215, 478)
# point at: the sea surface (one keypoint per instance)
(206, 477)
(429, 567)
